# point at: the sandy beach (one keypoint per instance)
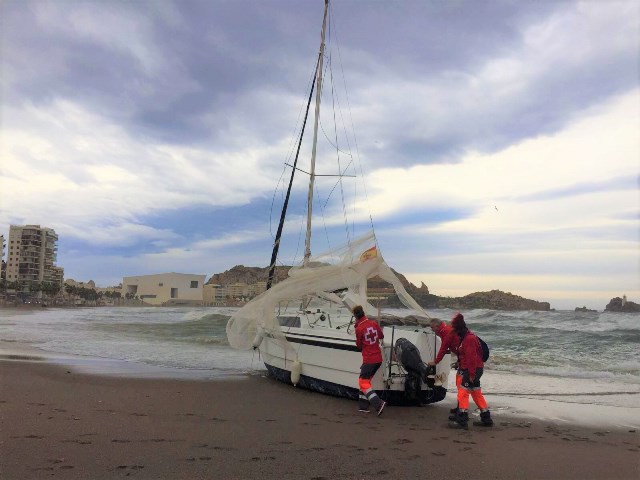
(56, 422)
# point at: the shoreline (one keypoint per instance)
(57, 421)
(568, 408)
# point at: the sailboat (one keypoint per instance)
(303, 327)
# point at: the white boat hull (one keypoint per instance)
(330, 362)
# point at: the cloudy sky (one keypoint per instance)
(497, 144)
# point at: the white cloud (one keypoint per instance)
(63, 166)
(604, 145)
(541, 79)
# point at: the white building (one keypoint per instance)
(165, 288)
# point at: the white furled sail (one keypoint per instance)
(344, 269)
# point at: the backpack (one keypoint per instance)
(485, 350)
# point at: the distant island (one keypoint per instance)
(585, 309)
(618, 304)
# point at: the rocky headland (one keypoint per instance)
(248, 275)
(494, 299)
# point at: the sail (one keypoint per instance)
(346, 268)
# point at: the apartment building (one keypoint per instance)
(165, 288)
(32, 254)
(214, 294)
(238, 290)
(257, 288)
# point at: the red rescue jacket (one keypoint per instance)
(368, 336)
(470, 354)
(450, 341)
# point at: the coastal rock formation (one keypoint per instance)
(385, 297)
(248, 275)
(585, 309)
(494, 300)
(618, 305)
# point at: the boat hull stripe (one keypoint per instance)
(336, 346)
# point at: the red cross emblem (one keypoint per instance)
(371, 336)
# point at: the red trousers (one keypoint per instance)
(463, 395)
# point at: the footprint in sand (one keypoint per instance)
(401, 441)
(79, 442)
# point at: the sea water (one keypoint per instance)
(564, 357)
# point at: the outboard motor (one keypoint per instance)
(408, 356)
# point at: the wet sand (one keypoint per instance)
(56, 423)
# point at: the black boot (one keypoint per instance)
(363, 404)
(485, 420)
(461, 420)
(454, 413)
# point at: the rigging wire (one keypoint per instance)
(335, 129)
(355, 141)
(294, 141)
(324, 223)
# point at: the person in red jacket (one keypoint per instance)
(470, 368)
(368, 336)
(450, 342)
(450, 339)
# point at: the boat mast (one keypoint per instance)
(283, 214)
(312, 176)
